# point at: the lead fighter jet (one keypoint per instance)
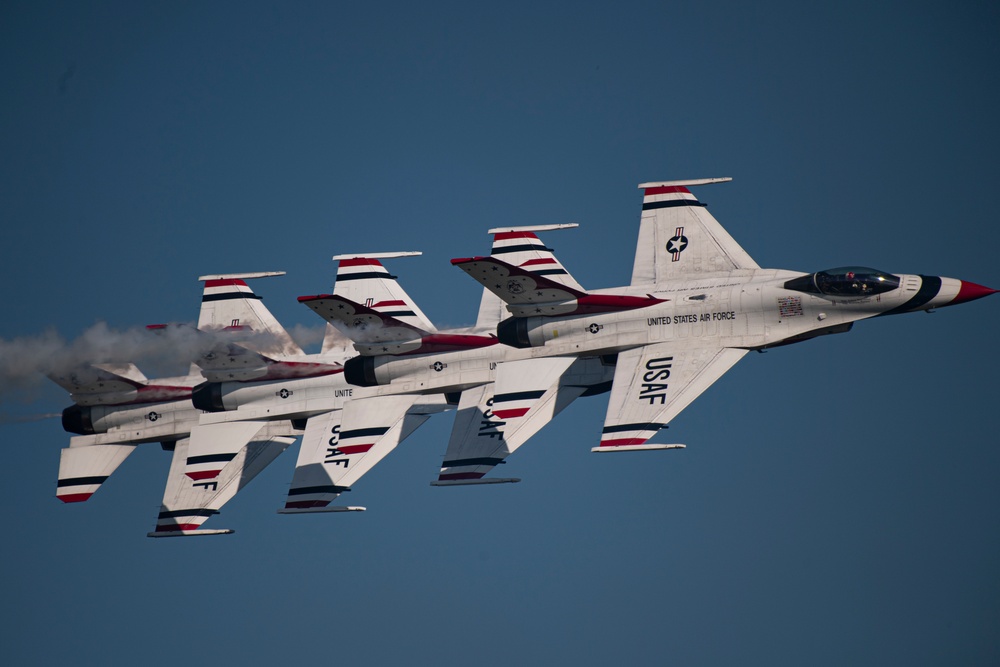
(696, 305)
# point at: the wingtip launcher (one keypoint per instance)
(684, 184)
(636, 448)
(190, 533)
(470, 482)
(322, 510)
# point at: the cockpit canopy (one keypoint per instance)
(847, 281)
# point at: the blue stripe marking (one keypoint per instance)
(516, 396)
(229, 295)
(80, 481)
(330, 488)
(365, 274)
(362, 432)
(200, 511)
(670, 203)
(650, 426)
(500, 250)
(481, 461)
(210, 458)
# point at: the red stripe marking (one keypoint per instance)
(533, 262)
(355, 449)
(503, 236)
(623, 441)
(511, 414)
(360, 261)
(389, 303)
(459, 475)
(458, 340)
(314, 297)
(224, 283)
(74, 497)
(602, 303)
(203, 474)
(666, 190)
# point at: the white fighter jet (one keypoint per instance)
(407, 356)
(117, 408)
(696, 305)
(347, 430)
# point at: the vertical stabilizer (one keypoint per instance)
(228, 302)
(679, 238)
(361, 278)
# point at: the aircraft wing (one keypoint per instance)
(653, 384)
(213, 446)
(339, 447)
(493, 421)
(82, 470)
(188, 503)
(679, 238)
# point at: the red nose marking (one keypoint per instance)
(971, 291)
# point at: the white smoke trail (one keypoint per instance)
(24, 361)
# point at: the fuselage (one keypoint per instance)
(748, 309)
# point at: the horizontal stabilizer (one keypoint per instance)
(189, 533)
(528, 293)
(82, 470)
(635, 448)
(375, 333)
(467, 482)
(319, 510)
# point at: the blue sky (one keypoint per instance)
(837, 501)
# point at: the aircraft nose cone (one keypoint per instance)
(970, 291)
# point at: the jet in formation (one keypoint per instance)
(696, 304)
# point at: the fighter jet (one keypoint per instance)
(400, 354)
(697, 303)
(347, 430)
(117, 408)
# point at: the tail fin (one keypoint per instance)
(519, 246)
(678, 237)
(361, 278)
(227, 301)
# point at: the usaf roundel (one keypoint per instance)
(677, 244)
